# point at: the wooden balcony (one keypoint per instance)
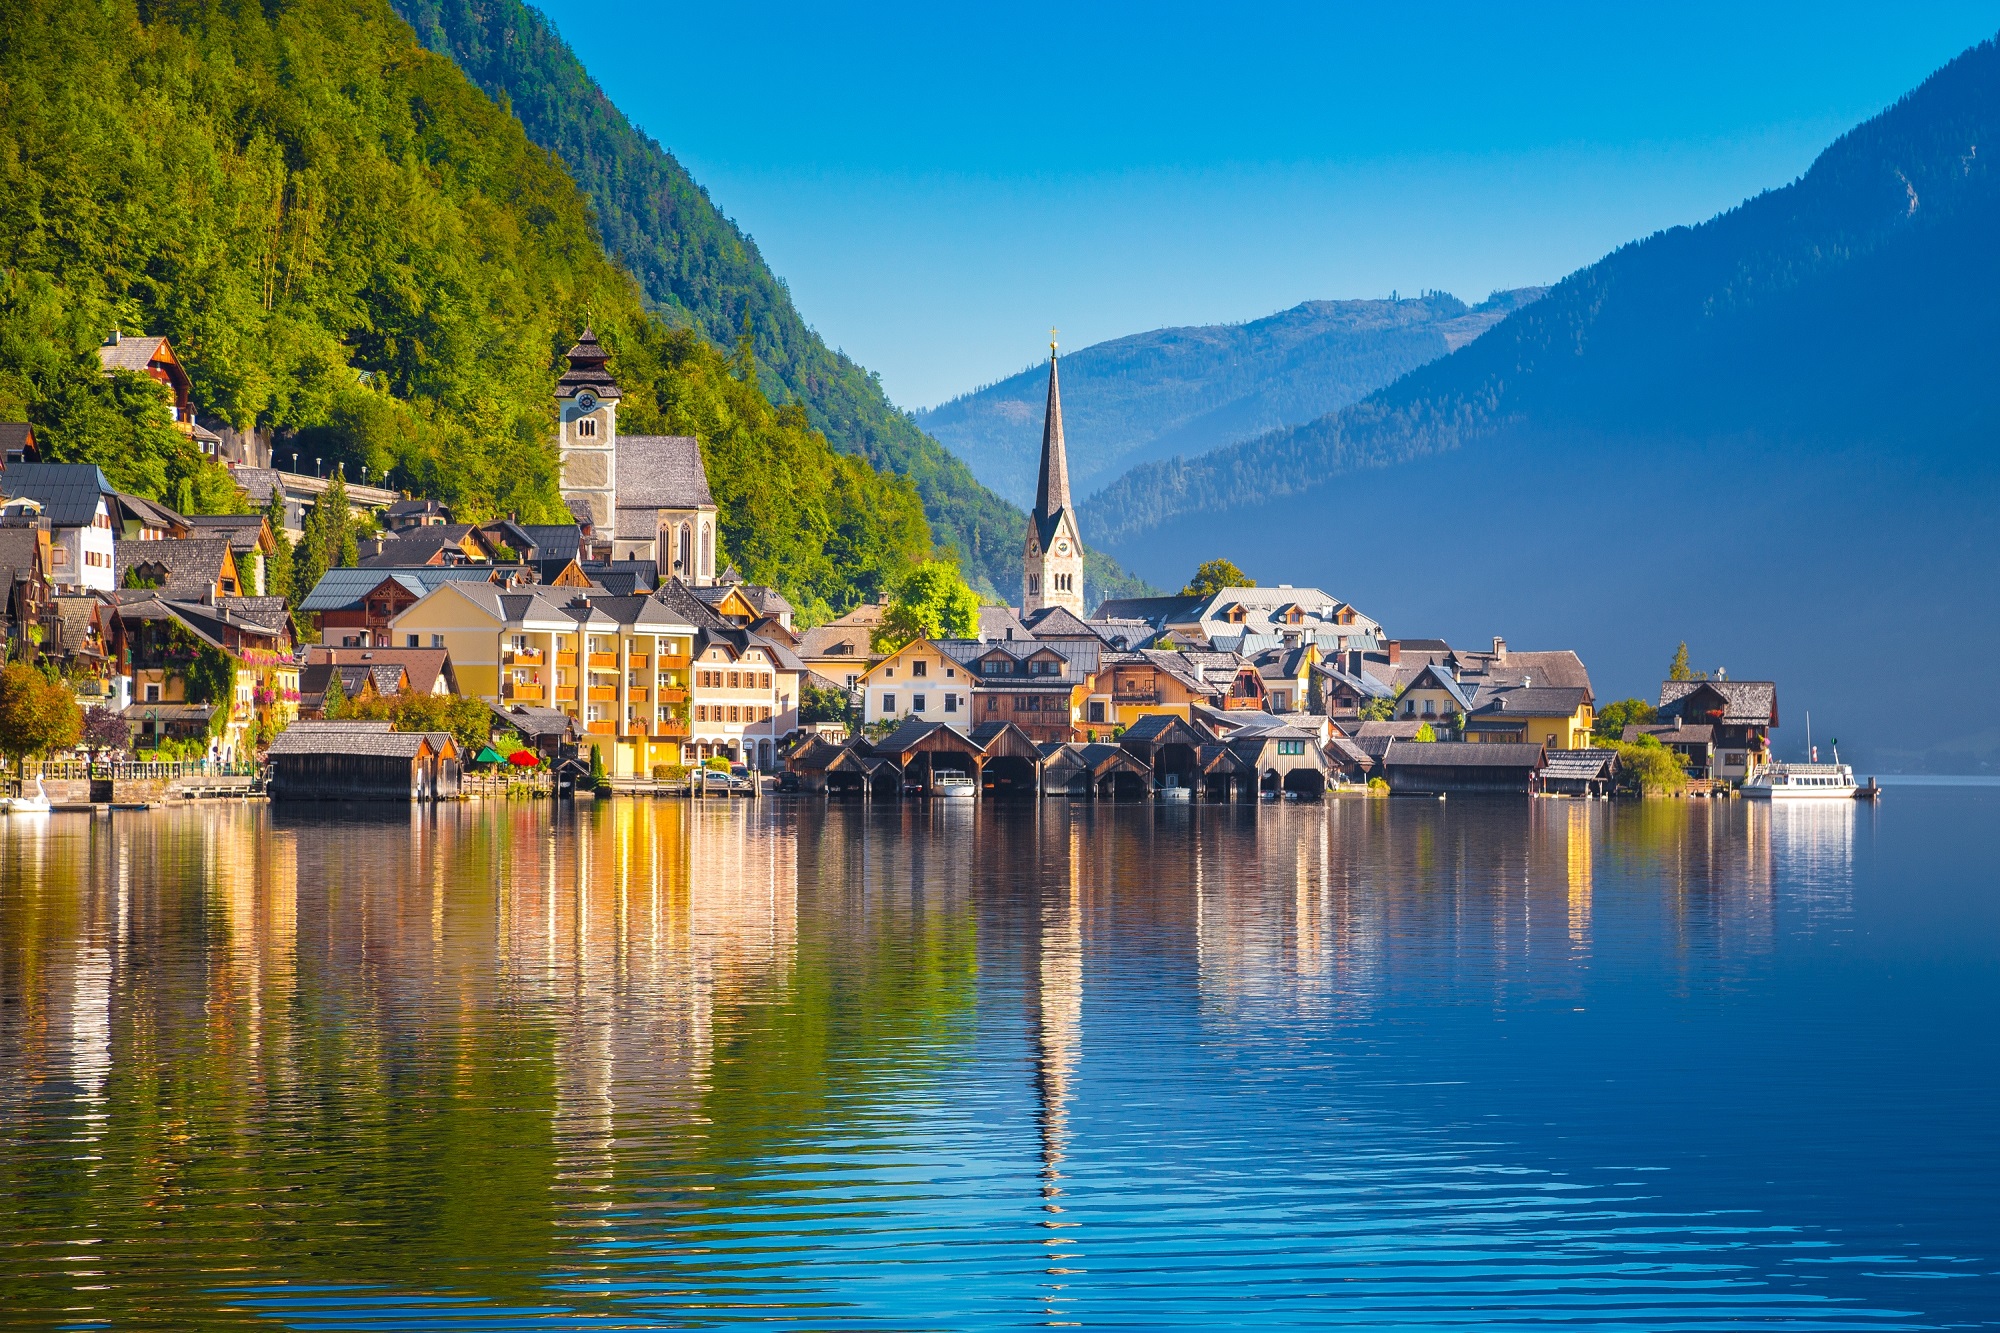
(637, 694)
(600, 728)
(604, 660)
(522, 657)
(603, 694)
(566, 659)
(565, 694)
(637, 661)
(672, 694)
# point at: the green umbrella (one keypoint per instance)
(487, 755)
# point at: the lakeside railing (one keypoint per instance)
(133, 770)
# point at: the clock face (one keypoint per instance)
(1062, 548)
(586, 402)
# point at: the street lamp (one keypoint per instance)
(315, 467)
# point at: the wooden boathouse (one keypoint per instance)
(362, 761)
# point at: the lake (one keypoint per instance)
(1474, 1064)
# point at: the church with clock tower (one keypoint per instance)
(1052, 552)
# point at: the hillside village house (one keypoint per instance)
(1434, 695)
(918, 680)
(1556, 717)
(78, 504)
(250, 539)
(26, 594)
(358, 607)
(1740, 714)
(156, 639)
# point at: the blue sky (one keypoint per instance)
(939, 184)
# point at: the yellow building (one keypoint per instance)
(619, 665)
(917, 681)
(1436, 696)
(1558, 718)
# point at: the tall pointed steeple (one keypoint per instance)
(1052, 552)
(1052, 490)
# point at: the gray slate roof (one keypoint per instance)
(349, 738)
(339, 589)
(661, 472)
(1580, 765)
(1462, 754)
(1746, 702)
(193, 564)
(68, 492)
(1534, 701)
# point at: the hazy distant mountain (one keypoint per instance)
(1771, 434)
(1189, 390)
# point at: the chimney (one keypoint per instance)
(1678, 721)
(1499, 649)
(1527, 682)
(112, 341)
(1395, 652)
(1354, 661)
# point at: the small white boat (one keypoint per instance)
(1801, 782)
(38, 804)
(1173, 795)
(954, 787)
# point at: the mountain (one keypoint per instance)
(1770, 434)
(696, 267)
(1190, 390)
(347, 241)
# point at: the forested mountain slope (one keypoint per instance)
(1771, 434)
(1186, 391)
(345, 239)
(1837, 307)
(696, 267)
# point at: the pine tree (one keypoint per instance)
(1679, 670)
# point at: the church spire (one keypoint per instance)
(1052, 490)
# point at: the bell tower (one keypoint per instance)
(1052, 553)
(587, 436)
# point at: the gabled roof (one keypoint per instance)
(193, 565)
(1535, 701)
(69, 493)
(1745, 702)
(134, 352)
(1692, 733)
(347, 738)
(1160, 729)
(1580, 765)
(150, 514)
(340, 589)
(914, 733)
(680, 599)
(243, 532)
(19, 556)
(998, 622)
(75, 618)
(1462, 754)
(16, 437)
(661, 472)
(536, 723)
(1058, 622)
(1437, 678)
(1155, 611)
(423, 666)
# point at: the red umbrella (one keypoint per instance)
(524, 759)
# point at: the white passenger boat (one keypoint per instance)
(954, 787)
(1801, 782)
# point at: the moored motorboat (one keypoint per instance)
(954, 787)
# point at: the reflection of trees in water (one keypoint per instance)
(417, 1048)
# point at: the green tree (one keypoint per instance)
(1425, 733)
(37, 715)
(1649, 768)
(1678, 669)
(822, 704)
(933, 602)
(278, 565)
(1213, 576)
(334, 706)
(211, 679)
(1613, 718)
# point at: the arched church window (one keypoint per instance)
(687, 549)
(707, 549)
